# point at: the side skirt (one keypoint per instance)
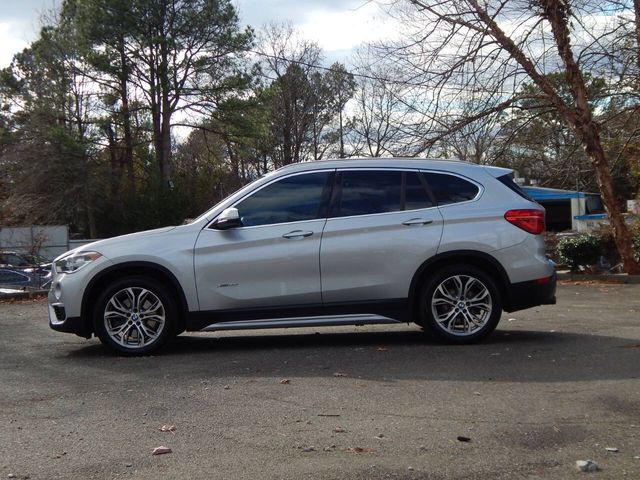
(321, 321)
(352, 313)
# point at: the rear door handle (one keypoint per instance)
(417, 221)
(298, 234)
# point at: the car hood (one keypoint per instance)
(114, 242)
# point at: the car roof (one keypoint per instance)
(396, 162)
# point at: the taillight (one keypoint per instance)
(531, 221)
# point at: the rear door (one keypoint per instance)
(382, 226)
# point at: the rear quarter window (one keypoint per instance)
(508, 182)
(448, 189)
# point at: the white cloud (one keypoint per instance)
(338, 26)
(10, 43)
(344, 29)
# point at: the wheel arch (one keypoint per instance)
(482, 260)
(152, 270)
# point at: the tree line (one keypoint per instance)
(130, 114)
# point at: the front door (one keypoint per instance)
(272, 260)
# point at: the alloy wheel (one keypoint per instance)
(461, 305)
(134, 317)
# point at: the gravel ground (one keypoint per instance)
(553, 385)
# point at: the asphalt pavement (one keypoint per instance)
(553, 385)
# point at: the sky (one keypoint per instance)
(338, 26)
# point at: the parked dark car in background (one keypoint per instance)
(24, 270)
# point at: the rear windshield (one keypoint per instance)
(507, 181)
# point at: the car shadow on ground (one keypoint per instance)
(509, 356)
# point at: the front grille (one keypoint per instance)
(60, 313)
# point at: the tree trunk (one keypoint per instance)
(114, 164)
(156, 113)
(590, 138)
(165, 170)
(578, 117)
(126, 119)
(341, 138)
(165, 91)
(287, 148)
(586, 129)
(315, 131)
(91, 218)
(636, 6)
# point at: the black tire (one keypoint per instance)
(459, 304)
(135, 315)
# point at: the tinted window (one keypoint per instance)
(415, 193)
(450, 189)
(16, 261)
(291, 199)
(507, 181)
(366, 192)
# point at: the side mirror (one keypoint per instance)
(229, 218)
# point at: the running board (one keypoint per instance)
(321, 321)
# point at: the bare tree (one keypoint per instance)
(291, 62)
(476, 142)
(384, 120)
(454, 49)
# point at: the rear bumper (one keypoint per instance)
(531, 294)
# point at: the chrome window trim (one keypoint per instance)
(381, 213)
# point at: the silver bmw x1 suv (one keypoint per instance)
(445, 244)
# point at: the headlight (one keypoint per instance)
(75, 261)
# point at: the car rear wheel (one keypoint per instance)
(135, 316)
(460, 304)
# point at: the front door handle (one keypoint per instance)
(417, 221)
(298, 234)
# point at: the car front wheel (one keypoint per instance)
(135, 316)
(460, 304)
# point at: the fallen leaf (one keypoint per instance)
(339, 429)
(382, 349)
(285, 381)
(359, 450)
(161, 450)
(167, 428)
(339, 374)
(464, 439)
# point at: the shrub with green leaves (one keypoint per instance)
(579, 251)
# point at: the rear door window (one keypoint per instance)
(416, 195)
(364, 192)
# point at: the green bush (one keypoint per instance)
(636, 248)
(579, 251)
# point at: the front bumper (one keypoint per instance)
(531, 294)
(71, 325)
(60, 322)
(65, 299)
